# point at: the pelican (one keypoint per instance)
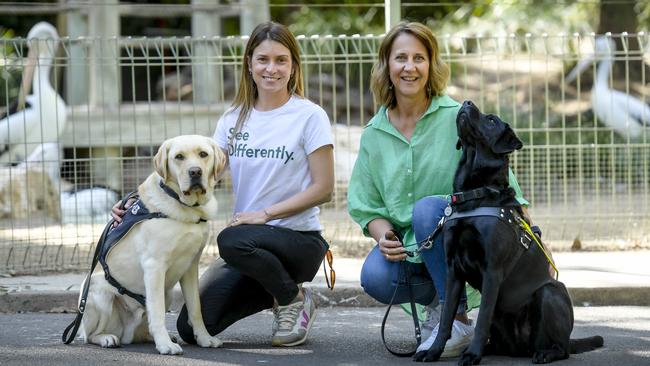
(90, 205)
(625, 114)
(44, 116)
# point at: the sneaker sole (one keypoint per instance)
(455, 351)
(303, 339)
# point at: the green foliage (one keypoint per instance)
(319, 17)
(518, 17)
(10, 75)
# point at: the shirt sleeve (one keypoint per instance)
(221, 132)
(318, 131)
(519, 196)
(364, 200)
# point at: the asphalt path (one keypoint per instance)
(340, 336)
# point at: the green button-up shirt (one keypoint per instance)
(392, 173)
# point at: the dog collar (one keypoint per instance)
(170, 192)
(474, 194)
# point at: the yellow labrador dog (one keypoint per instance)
(157, 253)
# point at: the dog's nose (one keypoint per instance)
(195, 172)
(468, 103)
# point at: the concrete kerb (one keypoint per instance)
(592, 278)
(66, 301)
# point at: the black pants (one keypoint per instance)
(258, 263)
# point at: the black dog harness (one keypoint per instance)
(136, 214)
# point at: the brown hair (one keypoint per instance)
(380, 83)
(247, 92)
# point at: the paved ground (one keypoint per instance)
(341, 336)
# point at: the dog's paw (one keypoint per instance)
(208, 341)
(468, 359)
(548, 356)
(108, 341)
(426, 356)
(419, 356)
(169, 349)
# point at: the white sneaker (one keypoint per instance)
(461, 335)
(431, 320)
(294, 322)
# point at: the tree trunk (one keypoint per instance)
(618, 17)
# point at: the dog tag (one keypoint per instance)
(448, 211)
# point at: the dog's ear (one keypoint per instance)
(160, 160)
(220, 160)
(507, 142)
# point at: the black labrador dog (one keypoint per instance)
(524, 312)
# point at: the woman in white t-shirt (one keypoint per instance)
(280, 152)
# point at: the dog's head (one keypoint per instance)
(486, 132)
(190, 165)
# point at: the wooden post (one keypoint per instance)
(253, 13)
(206, 22)
(104, 28)
(393, 13)
(76, 80)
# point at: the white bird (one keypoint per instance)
(90, 205)
(625, 114)
(44, 117)
(47, 158)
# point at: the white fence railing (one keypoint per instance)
(587, 178)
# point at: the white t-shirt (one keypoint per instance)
(268, 157)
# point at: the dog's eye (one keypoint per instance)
(179, 157)
(203, 154)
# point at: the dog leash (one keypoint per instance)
(529, 231)
(71, 330)
(414, 314)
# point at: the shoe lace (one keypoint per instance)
(287, 315)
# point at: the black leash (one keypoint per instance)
(414, 314)
(71, 330)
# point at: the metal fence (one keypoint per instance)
(64, 166)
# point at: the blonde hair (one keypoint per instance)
(380, 83)
(247, 92)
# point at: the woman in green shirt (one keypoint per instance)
(404, 171)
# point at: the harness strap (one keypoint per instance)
(123, 290)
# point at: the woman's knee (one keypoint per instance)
(231, 243)
(377, 277)
(426, 213)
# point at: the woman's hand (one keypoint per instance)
(255, 217)
(391, 247)
(117, 213)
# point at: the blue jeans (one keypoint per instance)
(380, 278)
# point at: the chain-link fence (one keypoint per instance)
(585, 170)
